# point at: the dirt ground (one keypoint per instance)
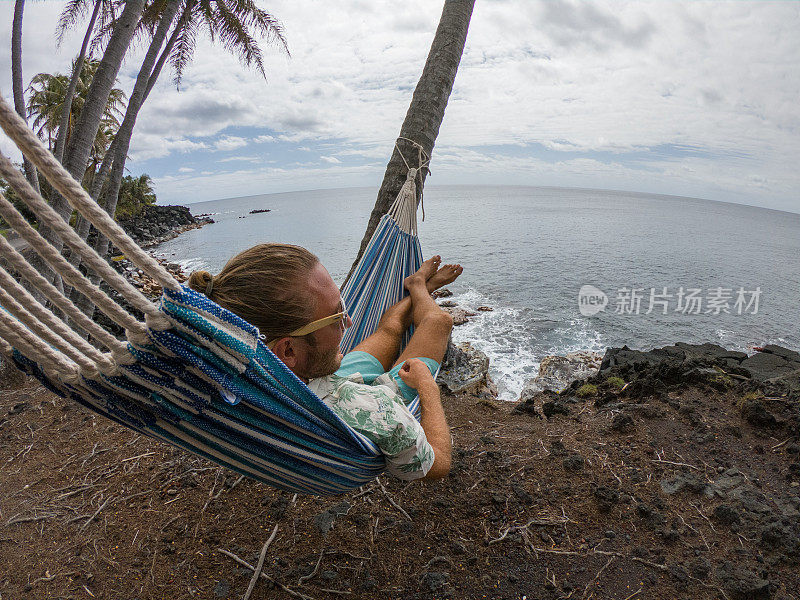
(670, 496)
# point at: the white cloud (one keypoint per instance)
(150, 146)
(330, 159)
(185, 170)
(252, 159)
(622, 83)
(229, 142)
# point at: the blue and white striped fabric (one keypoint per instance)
(377, 282)
(393, 253)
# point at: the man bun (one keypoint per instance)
(199, 281)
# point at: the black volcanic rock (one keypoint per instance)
(773, 369)
(157, 224)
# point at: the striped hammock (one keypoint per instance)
(192, 374)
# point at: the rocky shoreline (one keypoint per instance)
(157, 224)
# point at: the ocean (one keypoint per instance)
(563, 269)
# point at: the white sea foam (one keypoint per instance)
(193, 264)
(516, 339)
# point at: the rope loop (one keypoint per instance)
(423, 160)
(158, 322)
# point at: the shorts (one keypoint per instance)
(371, 368)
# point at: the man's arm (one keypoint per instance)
(435, 427)
(416, 374)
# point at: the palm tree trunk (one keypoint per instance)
(123, 136)
(63, 125)
(147, 75)
(17, 85)
(85, 131)
(185, 16)
(425, 115)
(80, 143)
(109, 157)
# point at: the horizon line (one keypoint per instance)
(545, 187)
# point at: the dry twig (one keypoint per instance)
(311, 575)
(678, 464)
(522, 528)
(286, 589)
(658, 566)
(392, 501)
(634, 594)
(260, 565)
(597, 577)
(779, 444)
(92, 518)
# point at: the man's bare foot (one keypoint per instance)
(446, 274)
(427, 270)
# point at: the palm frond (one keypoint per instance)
(73, 12)
(105, 25)
(183, 51)
(209, 15)
(237, 24)
(263, 22)
(47, 98)
(151, 16)
(100, 39)
(236, 39)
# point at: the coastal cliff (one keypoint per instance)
(157, 224)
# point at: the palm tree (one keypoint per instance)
(16, 82)
(68, 16)
(78, 149)
(80, 144)
(46, 95)
(233, 22)
(134, 194)
(425, 115)
(103, 14)
(118, 149)
(49, 98)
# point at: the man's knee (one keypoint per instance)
(440, 321)
(392, 326)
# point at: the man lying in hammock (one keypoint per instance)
(286, 292)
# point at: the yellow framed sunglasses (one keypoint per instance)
(340, 316)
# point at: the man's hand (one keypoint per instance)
(415, 373)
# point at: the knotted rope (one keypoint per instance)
(423, 160)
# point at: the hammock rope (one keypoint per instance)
(18, 262)
(423, 160)
(192, 374)
(79, 200)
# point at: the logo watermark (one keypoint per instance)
(591, 300)
(687, 301)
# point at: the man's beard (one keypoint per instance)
(321, 363)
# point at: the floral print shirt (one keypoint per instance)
(378, 412)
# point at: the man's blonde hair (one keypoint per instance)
(266, 286)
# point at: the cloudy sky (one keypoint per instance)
(688, 98)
